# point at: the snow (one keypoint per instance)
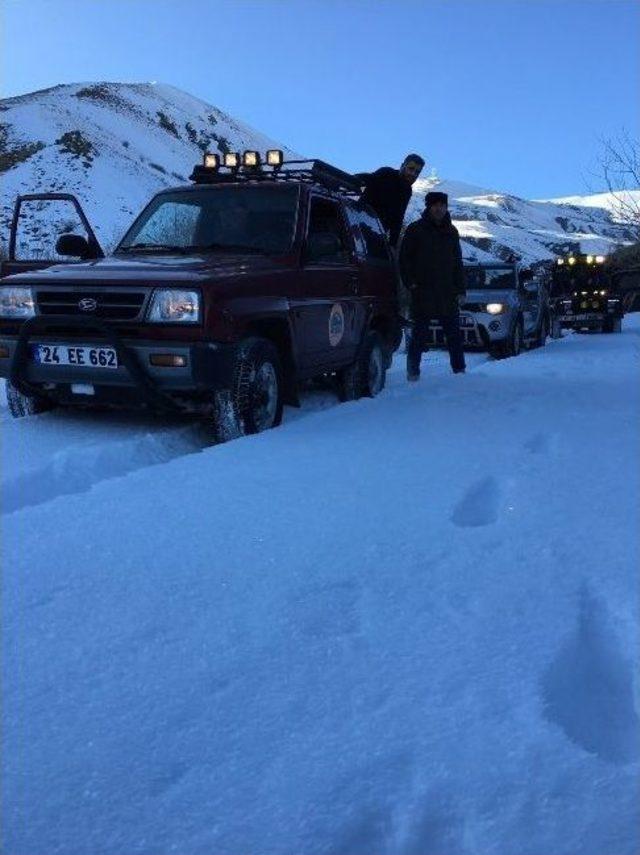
(401, 626)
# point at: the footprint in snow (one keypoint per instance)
(588, 688)
(539, 443)
(479, 506)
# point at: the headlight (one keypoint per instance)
(174, 307)
(495, 308)
(16, 303)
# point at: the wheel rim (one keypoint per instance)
(265, 399)
(376, 371)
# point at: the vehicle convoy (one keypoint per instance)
(584, 295)
(505, 311)
(221, 297)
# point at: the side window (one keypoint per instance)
(371, 240)
(353, 218)
(327, 239)
(41, 223)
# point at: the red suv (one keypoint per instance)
(221, 297)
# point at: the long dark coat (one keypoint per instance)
(388, 193)
(431, 267)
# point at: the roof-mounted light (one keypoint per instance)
(600, 259)
(275, 158)
(212, 161)
(560, 262)
(589, 259)
(251, 159)
(232, 159)
(571, 260)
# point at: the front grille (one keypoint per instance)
(475, 307)
(121, 304)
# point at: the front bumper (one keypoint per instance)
(479, 331)
(208, 365)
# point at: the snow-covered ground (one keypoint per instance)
(406, 626)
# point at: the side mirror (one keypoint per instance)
(323, 245)
(74, 245)
(530, 288)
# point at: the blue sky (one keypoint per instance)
(507, 94)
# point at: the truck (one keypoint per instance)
(584, 294)
(505, 311)
(223, 296)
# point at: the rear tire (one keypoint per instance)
(21, 406)
(255, 401)
(556, 329)
(612, 325)
(367, 376)
(543, 332)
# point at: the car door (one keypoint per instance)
(39, 220)
(328, 286)
(378, 283)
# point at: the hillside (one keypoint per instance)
(115, 144)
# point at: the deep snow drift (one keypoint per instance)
(406, 626)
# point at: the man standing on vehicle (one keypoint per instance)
(432, 271)
(388, 192)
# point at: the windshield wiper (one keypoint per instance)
(152, 247)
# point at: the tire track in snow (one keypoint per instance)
(78, 470)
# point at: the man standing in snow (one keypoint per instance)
(388, 192)
(432, 271)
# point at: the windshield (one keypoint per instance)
(488, 278)
(251, 219)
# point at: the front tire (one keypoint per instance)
(366, 378)
(515, 341)
(21, 406)
(254, 403)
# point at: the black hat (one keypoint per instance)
(435, 196)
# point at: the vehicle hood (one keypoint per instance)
(158, 268)
(484, 295)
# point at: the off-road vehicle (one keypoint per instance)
(220, 298)
(505, 310)
(584, 295)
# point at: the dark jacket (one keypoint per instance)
(431, 267)
(388, 193)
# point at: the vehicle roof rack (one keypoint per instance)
(311, 171)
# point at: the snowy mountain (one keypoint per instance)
(112, 144)
(495, 225)
(115, 144)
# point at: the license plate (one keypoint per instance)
(66, 354)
